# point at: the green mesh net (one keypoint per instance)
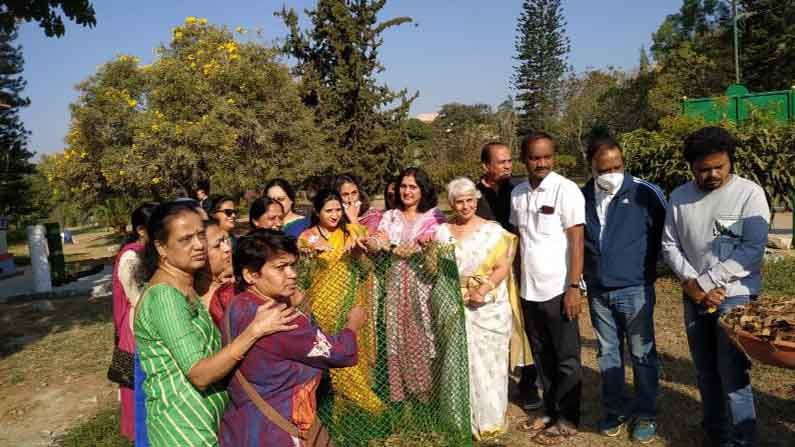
(410, 386)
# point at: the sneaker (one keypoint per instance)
(532, 401)
(644, 431)
(611, 425)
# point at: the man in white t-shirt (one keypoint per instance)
(549, 212)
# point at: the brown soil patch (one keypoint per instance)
(53, 362)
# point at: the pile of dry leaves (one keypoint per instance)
(771, 319)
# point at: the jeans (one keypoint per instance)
(622, 316)
(723, 373)
(555, 342)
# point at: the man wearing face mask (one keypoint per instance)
(714, 241)
(624, 219)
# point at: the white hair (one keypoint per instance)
(461, 186)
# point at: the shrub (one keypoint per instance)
(765, 154)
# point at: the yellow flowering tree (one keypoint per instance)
(208, 107)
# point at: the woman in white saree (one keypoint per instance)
(484, 253)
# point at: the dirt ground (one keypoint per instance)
(53, 363)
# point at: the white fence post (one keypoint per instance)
(39, 250)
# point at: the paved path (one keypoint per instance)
(22, 285)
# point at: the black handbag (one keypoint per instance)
(121, 368)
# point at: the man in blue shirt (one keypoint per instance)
(624, 220)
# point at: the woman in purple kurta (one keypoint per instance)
(284, 368)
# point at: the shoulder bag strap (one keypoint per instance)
(268, 411)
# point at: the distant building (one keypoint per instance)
(427, 117)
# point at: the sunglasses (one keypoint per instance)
(228, 212)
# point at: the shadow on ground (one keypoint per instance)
(26, 323)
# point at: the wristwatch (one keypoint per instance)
(574, 286)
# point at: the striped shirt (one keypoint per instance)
(172, 333)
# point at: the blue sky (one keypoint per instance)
(461, 51)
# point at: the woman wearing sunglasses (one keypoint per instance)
(223, 209)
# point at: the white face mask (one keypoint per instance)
(611, 182)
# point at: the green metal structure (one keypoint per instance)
(738, 103)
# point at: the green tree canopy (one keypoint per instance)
(208, 107)
(541, 49)
(46, 13)
(657, 155)
(14, 154)
(337, 59)
(767, 44)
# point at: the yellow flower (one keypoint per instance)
(177, 34)
(190, 20)
(122, 172)
(125, 58)
(202, 21)
(156, 180)
(209, 67)
(230, 101)
(132, 102)
(240, 30)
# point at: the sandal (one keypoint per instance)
(535, 426)
(555, 434)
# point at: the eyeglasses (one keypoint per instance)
(229, 212)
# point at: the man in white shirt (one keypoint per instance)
(549, 212)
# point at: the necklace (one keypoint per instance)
(320, 232)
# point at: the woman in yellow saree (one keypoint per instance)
(336, 281)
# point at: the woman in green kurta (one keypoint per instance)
(177, 342)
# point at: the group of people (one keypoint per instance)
(230, 350)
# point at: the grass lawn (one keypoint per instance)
(53, 364)
(91, 244)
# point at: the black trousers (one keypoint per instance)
(555, 342)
